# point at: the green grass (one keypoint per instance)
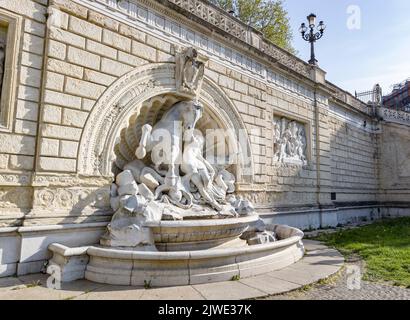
(384, 246)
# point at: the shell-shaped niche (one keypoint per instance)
(150, 112)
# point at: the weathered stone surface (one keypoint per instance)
(158, 43)
(49, 147)
(114, 68)
(31, 60)
(101, 49)
(36, 28)
(143, 51)
(74, 118)
(58, 18)
(25, 127)
(83, 88)
(68, 149)
(115, 40)
(132, 32)
(130, 59)
(67, 37)
(85, 29)
(98, 77)
(27, 110)
(52, 114)
(231, 291)
(103, 21)
(21, 162)
(4, 161)
(71, 7)
(28, 93)
(17, 144)
(54, 81)
(88, 104)
(57, 164)
(57, 50)
(83, 58)
(60, 132)
(26, 7)
(65, 68)
(62, 99)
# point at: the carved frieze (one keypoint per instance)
(74, 200)
(15, 197)
(390, 115)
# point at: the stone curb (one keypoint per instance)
(320, 262)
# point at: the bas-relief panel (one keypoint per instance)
(290, 141)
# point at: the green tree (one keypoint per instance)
(266, 16)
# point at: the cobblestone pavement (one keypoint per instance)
(337, 288)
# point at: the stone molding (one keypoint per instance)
(15, 179)
(343, 97)
(13, 22)
(356, 121)
(391, 115)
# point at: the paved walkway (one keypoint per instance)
(319, 263)
(337, 288)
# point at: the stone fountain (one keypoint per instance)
(177, 218)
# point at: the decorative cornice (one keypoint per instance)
(354, 119)
(222, 21)
(394, 116)
(154, 18)
(344, 97)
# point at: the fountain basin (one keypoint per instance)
(161, 269)
(198, 234)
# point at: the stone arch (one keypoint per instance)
(111, 115)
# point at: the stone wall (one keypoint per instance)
(394, 165)
(25, 24)
(354, 162)
(85, 69)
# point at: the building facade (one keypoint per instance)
(399, 99)
(78, 76)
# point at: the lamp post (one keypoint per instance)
(312, 36)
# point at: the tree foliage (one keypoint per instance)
(266, 16)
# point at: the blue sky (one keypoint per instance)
(379, 52)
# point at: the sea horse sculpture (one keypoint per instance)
(170, 178)
(164, 139)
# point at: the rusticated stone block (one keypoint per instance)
(84, 28)
(83, 58)
(103, 21)
(70, 7)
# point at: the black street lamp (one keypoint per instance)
(312, 36)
